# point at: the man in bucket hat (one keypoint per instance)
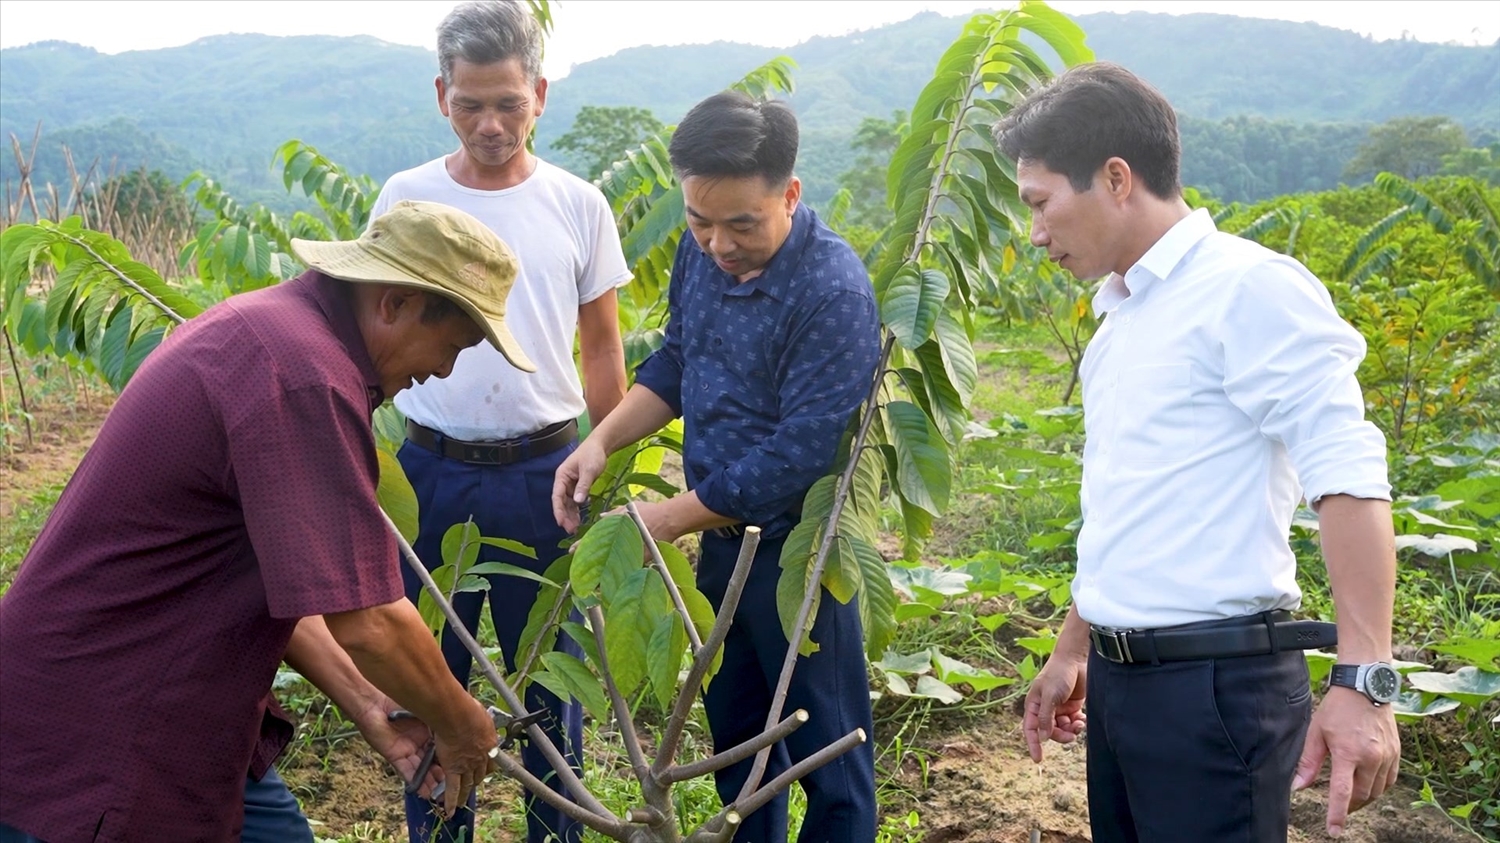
(224, 520)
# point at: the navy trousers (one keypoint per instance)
(1184, 752)
(512, 502)
(271, 813)
(832, 685)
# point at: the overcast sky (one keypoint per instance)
(590, 29)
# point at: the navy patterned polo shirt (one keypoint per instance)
(766, 373)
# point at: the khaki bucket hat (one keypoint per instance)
(432, 247)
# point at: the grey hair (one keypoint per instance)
(489, 31)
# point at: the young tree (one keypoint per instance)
(1410, 147)
(602, 133)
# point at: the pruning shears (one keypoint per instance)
(512, 730)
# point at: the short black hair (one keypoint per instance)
(734, 135)
(437, 308)
(1092, 113)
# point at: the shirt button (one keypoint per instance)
(705, 384)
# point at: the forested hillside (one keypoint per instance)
(1268, 106)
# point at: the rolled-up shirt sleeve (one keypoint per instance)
(820, 385)
(1289, 364)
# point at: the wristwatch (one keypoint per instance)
(1377, 680)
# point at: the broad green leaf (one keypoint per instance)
(1479, 652)
(793, 585)
(923, 470)
(698, 607)
(953, 671)
(993, 622)
(911, 664)
(1042, 646)
(627, 632)
(460, 546)
(841, 571)
(912, 302)
(578, 682)
(877, 600)
(664, 657)
(1439, 545)
(943, 580)
(1412, 706)
(584, 638)
(958, 356)
(612, 542)
(931, 686)
(396, 496)
(1469, 685)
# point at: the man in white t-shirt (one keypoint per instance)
(1219, 392)
(486, 441)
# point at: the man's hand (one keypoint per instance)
(1054, 703)
(1366, 750)
(570, 486)
(465, 755)
(401, 742)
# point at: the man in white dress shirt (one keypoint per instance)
(1218, 393)
(487, 441)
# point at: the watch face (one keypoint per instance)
(1383, 683)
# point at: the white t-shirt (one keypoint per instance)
(563, 233)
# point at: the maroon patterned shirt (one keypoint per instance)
(231, 491)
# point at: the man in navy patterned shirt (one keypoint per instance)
(772, 341)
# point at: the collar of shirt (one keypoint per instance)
(773, 280)
(1157, 263)
(332, 297)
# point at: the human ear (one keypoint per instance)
(1118, 179)
(442, 94)
(793, 194)
(398, 302)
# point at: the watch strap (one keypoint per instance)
(1345, 676)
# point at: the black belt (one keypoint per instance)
(733, 531)
(501, 452)
(1251, 635)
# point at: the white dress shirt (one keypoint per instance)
(1218, 393)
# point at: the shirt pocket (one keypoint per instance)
(1154, 418)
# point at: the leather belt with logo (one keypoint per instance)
(499, 452)
(1250, 635)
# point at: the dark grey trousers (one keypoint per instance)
(1195, 751)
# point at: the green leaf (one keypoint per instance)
(396, 496)
(505, 569)
(912, 302)
(664, 657)
(1469, 685)
(953, 671)
(923, 470)
(612, 542)
(627, 632)
(911, 664)
(793, 585)
(993, 622)
(877, 600)
(958, 356)
(511, 545)
(584, 638)
(1479, 652)
(841, 571)
(578, 683)
(937, 689)
(1412, 706)
(460, 547)
(941, 580)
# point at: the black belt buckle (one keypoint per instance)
(733, 531)
(1111, 644)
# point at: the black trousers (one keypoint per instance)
(1195, 751)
